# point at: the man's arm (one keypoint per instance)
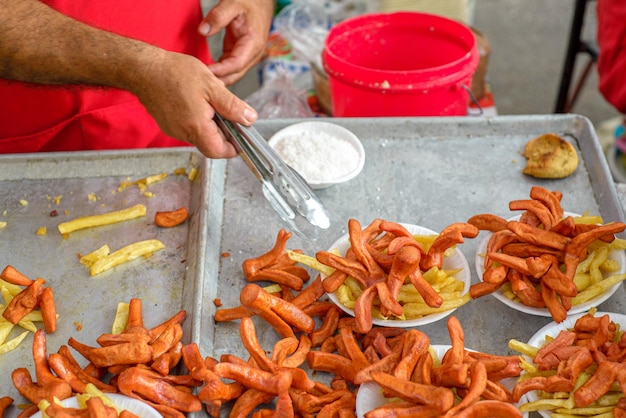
(41, 45)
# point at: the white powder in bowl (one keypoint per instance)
(318, 156)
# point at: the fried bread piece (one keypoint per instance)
(550, 156)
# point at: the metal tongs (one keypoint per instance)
(288, 193)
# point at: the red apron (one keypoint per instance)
(37, 118)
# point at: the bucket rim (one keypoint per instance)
(387, 83)
(441, 75)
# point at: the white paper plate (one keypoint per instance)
(618, 256)
(456, 261)
(370, 395)
(133, 405)
(337, 133)
(553, 329)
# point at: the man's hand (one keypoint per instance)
(182, 94)
(247, 24)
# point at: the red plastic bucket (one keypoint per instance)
(400, 64)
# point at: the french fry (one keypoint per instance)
(125, 254)
(596, 289)
(9, 289)
(89, 259)
(425, 240)
(523, 348)
(121, 318)
(13, 343)
(193, 173)
(618, 244)
(585, 411)
(346, 297)
(582, 280)
(609, 266)
(417, 310)
(43, 405)
(543, 405)
(109, 218)
(414, 297)
(91, 391)
(309, 261)
(599, 256)
(354, 287)
(143, 183)
(273, 288)
(588, 220)
(28, 322)
(5, 330)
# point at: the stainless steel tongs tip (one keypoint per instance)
(286, 191)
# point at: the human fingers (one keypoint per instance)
(233, 65)
(255, 14)
(246, 24)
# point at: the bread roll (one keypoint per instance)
(550, 156)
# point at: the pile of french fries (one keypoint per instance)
(389, 273)
(579, 373)
(102, 259)
(546, 259)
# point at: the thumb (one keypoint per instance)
(231, 107)
(218, 18)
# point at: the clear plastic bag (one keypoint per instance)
(278, 97)
(305, 26)
(305, 23)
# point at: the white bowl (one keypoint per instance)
(453, 262)
(137, 407)
(618, 256)
(323, 153)
(370, 395)
(553, 329)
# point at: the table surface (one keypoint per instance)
(423, 171)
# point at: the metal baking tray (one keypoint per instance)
(425, 171)
(431, 172)
(33, 188)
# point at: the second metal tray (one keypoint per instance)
(430, 172)
(43, 190)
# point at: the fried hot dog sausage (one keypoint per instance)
(255, 297)
(490, 409)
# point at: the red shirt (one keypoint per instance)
(612, 59)
(36, 117)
